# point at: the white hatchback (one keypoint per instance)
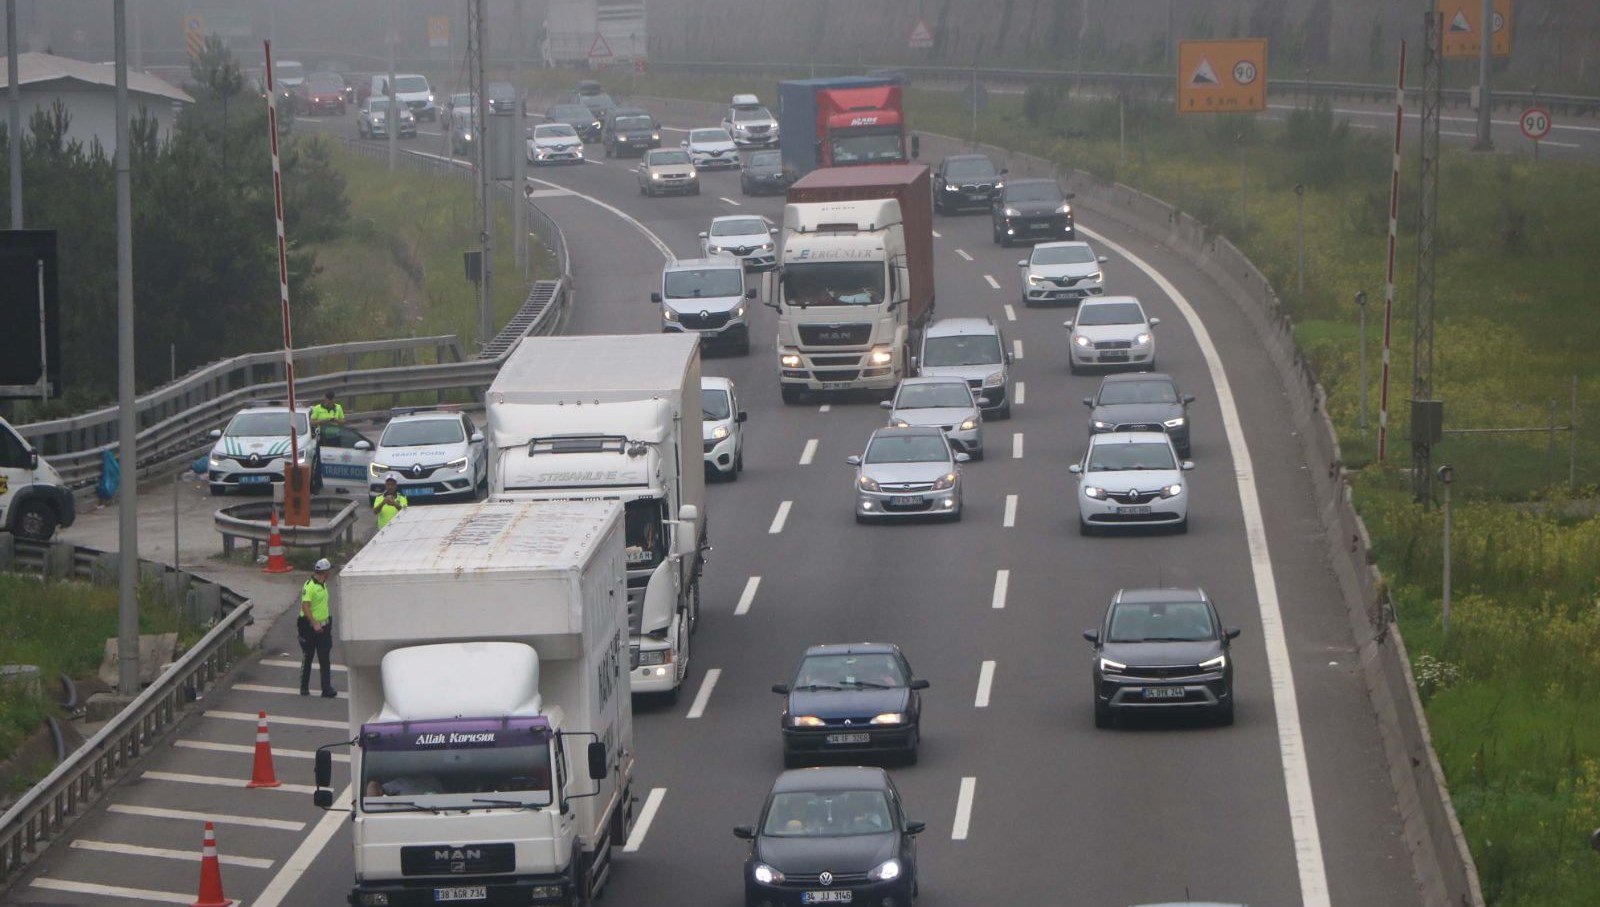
(711, 148)
(1131, 478)
(1111, 331)
(722, 425)
(747, 237)
(436, 453)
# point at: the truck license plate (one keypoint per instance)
(254, 480)
(838, 896)
(907, 500)
(466, 893)
(1164, 692)
(849, 738)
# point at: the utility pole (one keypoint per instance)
(1485, 58)
(392, 118)
(1422, 402)
(519, 203)
(14, 114)
(485, 184)
(127, 427)
(138, 34)
(1361, 306)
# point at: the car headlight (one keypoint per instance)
(668, 314)
(1065, 209)
(1012, 212)
(880, 355)
(1171, 491)
(1141, 338)
(944, 482)
(999, 184)
(950, 188)
(655, 176)
(1082, 340)
(377, 470)
(739, 312)
(1094, 491)
(466, 136)
(766, 875)
(218, 464)
(887, 871)
(767, 247)
(718, 433)
(595, 125)
(1102, 426)
(969, 424)
(867, 483)
(1096, 276)
(789, 360)
(899, 423)
(459, 465)
(1214, 664)
(1035, 280)
(889, 718)
(655, 657)
(1107, 666)
(1175, 423)
(806, 721)
(430, 99)
(995, 380)
(655, 136)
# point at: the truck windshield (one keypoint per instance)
(482, 763)
(865, 147)
(834, 283)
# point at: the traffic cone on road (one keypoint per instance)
(262, 775)
(276, 562)
(210, 874)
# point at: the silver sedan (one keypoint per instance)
(908, 472)
(945, 403)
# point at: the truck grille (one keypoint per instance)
(703, 321)
(850, 375)
(835, 334)
(452, 859)
(851, 359)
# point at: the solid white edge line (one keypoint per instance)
(647, 814)
(115, 891)
(1011, 313)
(167, 853)
(938, 235)
(993, 284)
(747, 596)
(809, 453)
(1010, 520)
(286, 663)
(1002, 582)
(958, 831)
(1016, 349)
(963, 254)
(187, 815)
(779, 518)
(707, 684)
(1022, 392)
(1016, 446)
(1291, 740)
(304, 856)
(249, 749)
(661, 246)
(985, 684)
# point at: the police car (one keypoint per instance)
(436, 452)
(33, 500)
(252, 450)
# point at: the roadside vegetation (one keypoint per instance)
(1513, 696)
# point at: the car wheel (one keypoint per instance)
(218, 491)
(791, 394)
(1086, 528)
(695, 191)
(1004, 411)
(1225, 712)
(732, 475)
(744, 188)
(1183, 527)
(35, 520)
(738, 461)
(910, 755)
(1102, 715)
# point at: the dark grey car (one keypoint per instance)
(1143, 401)
(964, 181)
(629, 130)
(762, 173)
(1162, 649)
(580, 118)
(1031, 210)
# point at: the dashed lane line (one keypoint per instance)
(1022, 393)
(647, 814)
(245, 749)
(1010, 520)
(212, 781)
(1016, 349)
(958, 831)
(187, 815)
(1016, 445)
(724, 198)
(252, 717)
(748, 596)
(938, 235)
(1011, 313)
(985, 684)
(1002, 582)
(993, 284)
(779, 518)
(707, 684)
(167, 853)
(963, 254)
(809, 453)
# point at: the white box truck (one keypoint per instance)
(492, 752)
(616, 417)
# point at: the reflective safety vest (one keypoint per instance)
(387, 511)
(317, 594)
(321, 413)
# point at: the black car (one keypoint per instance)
(1142, 401)
(464, 135)
(598, 103)
(761, 173)
(502, 98)
(1162, 649)
(966, 181)
(629, 130)
(578, 117)
(1032, 209)
(851, 700)
(831, 836)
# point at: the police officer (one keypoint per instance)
(328, 412)
(391, 502)
(315, 629)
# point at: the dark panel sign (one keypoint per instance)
(22, 253)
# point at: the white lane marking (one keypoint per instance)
(993, 284)
(724, 198)
(1016, 349)
(1291, 740)
(647, 814)
(1002, 582)
(674, 129)
(824, 408)
(166, 853)
(114, 891)
(211, 781)
(277, 719)
(186, 815)
(1016, 445)
(779, 518)
(275, 690)
(1011, 313)
(985, 683)
(1022, 393)
(1010, 520)
(661, 246)
(707, 684)
(748, 596)
(550, 193)
(809, 453)
(303, 856)
(245, 749)
(969, 786)
(938, 235)
(963, 254)
(286, 663)
(1560, 144)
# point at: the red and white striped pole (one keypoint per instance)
(1388, 292)
(283, 277)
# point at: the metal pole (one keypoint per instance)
(138, 34)
(1445, 475)
(1122, 129)
(1361, 305)
(519, 200)
(1300, 239)
(393, 116)
(1243, 170)
(1572, 438)
(481, 110)
(974, 106)
(127, 427)
(1166, 52)
(14, 114)
(44, 348)
(1485, 55)
(292, 467)
(177, 479)
(1388, 290)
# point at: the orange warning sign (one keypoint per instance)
(1462, 34)
(1222, 76)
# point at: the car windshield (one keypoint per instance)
(422, 433)
(908, 449)
(1119, 456)
(714, 404)
(569, 112)
(461, 100)
(928, 396)
(658, 158)
(1115, 392)
(502, 91)
(289, 70)
(870, 669)
(1063, 255)
(378, 103)
(598, 101)
(742, 114)
(325, 81)
(1110, 313)
(635, 121)
(766, 159)
(694, 283)
(263, 425)
(711, 136)
(828, 814)
(410, 84)
(825, 283)
(554, 131)
(1033, 192)
(867, 147)
(1161, 622)
(738, 226)
(969, 349)
(978, 168)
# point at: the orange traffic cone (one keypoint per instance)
(276, 562)
(262, 775)
(210, 874)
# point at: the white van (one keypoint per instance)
(33, 500)
(412, 90)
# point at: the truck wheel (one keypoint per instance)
(35, 520)
(791, 394)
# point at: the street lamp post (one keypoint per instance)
(1446, 475)
(1300, 239)
(1361, 306)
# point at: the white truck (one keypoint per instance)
(492, 751)
(616, 418)
(594, 33)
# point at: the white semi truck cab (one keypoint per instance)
(492, 734)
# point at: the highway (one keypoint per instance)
(1026, 802)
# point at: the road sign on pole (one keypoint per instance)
(599, 51)
(194, 34)
(921, 35)
(1222, 76)
(1463, 32)
(438, 31)
(1535, 123)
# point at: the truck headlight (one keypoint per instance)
(789, 360)
(1094, 491)
(887, 871)
(806, 721)
(739, 312)
(766, 875)
(654, 657)
(880, 355)
(945, 482)
(668, 315)
(718, 433)
(889, 718)
(969, 424)
(459, 465)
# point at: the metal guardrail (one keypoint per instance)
(332, 518)
(52, 805)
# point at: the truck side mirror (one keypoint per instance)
(688, 513)
(322, 769)
(655, 298)
(916, 146)
(322, 798)
(33, 459)
(598, 767)
(781, 689)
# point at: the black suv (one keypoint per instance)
(966, 181)
(1162, 649)
(629, 130)
(502, 98)
(1032, 209)
(1143, 401)
(762, 172)
(851, 700)
(585, 123)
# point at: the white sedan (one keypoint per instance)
(553, 143)
(1132, 478)
(711, 148)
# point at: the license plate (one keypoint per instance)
(466, 893)
(1118, 356)
(827, 897)
(1139, 509)
(1164, 692)
(254, 480)
(418, 492)
(907, 500)
(1040, 225)
(849, 738)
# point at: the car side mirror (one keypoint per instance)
(363, 445)
(744, 832)
(919, 684)
(750, 293)
(598, 767)
(1155, 321)
(983, 401)
(782, 689)
(322, 768)
(1066, 324)
(772, 231)
(916, 146)
(916, 828)
(1023, 263)
(743, 416)
(703, 235)
(886, 404)
(655, 298)
(1102, 259)
(853, 460)
(1070, 196)
(1187, 465)
(215, 432)
(1230, 632)
(1075, 468)
(1188, 398)
(477, 438)
(1092, 636)
(962, 458)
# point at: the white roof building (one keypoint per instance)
(88, 91)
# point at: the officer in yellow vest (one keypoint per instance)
(391, 502)
(328, 412)
(315, 629)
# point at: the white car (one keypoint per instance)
(747, 237)
(1131, 478)
(553, 143)
(1062, 272)
(1111, 331)
(711, 148)
(722, 422)
(437, 453)
(750, 124)
(33, 500)
(252, 451)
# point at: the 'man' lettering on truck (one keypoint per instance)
(841, 122)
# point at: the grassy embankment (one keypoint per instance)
(1513, 697)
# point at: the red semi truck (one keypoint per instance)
(838, 122)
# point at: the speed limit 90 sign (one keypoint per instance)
(1535, 123)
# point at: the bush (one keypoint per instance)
(1041, 103)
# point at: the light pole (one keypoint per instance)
(1361, 306)
(1300, 239)
(1485, 55)
(1446, 475)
